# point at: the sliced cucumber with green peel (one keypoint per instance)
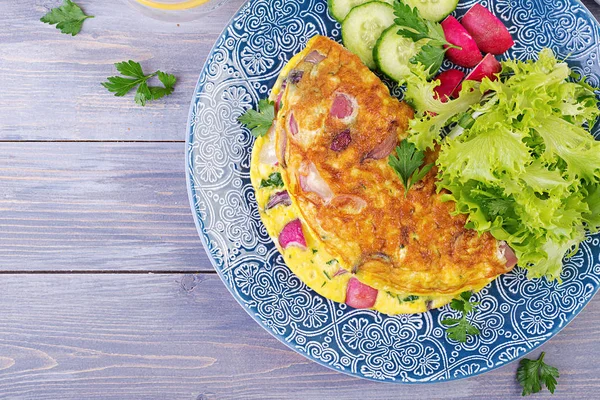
(393, 52)
(339, 9)
(362, 27)
(433, 10)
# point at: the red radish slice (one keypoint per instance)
(487, 30)
(293, 125)
(449, 80)
(359, 295)
(469, 54)
(312, 181)
(292, 235)
(314, 57)
(487, 68)
(506, 252)
(342, 106)
(341, 141)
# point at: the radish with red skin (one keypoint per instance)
(468, 55)
(359, 295)
(487, 30)
(449, 80)
(292, 235)
(487, 68)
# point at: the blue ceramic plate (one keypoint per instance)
(516, 315)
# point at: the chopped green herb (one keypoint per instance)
(412, 297)
(273, 181)
(330, 262)
(120, 86)
(459, 328)
(532, 373)
(326, 274)
(314, 251)
(324, 283)
(68, 18)
(407, 163)
(259, 122)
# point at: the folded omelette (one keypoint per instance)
(342, 220)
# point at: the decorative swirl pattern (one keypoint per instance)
(515, 314)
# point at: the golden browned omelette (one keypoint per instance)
(335, 128)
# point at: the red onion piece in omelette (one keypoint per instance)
(340, 271)
(341, 141)
(508, 253)
(313, 182)
(279, 198)
(342, 106)
(383, 149)
(314, 57)
(293, 125)
(359, 295)
(292, 235)
(295, 76)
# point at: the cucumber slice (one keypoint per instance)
(393, 52)
(340, 8)
(363, 26)
(433, 10)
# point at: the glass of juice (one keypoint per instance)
(176, 10)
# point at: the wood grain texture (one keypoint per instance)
(51, 81)
(123, 207)
(96, 206)
(184, 337)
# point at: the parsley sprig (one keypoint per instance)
(274, 180)
(259, 121)
(407, 164)
(68, 18)
(459, 328)
(120, 85)
(532, 373)
(412, 26)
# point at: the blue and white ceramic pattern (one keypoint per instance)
(515, 316)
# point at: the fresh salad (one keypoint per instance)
(514, 138)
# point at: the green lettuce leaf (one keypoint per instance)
(525, 168)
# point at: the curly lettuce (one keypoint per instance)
(527, 168)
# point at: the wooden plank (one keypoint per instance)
(184, 337)
(51, 81)
(593, 6)
(96, 206)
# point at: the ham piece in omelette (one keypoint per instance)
(336, 125)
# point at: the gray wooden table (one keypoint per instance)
(106, 289)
